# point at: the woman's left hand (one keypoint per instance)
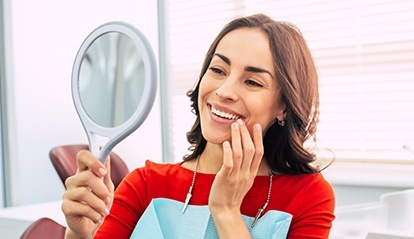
(241, 162)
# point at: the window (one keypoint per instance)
(364, 51)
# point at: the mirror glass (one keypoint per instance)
(112, 73)
(113, 84)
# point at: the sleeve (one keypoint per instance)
(316, 204)
(130, 201)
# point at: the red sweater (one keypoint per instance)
(309, 198)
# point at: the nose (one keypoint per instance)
(229, 89)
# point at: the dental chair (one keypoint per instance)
(44, 228)
(64, 160)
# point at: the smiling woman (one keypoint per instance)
(248, 148)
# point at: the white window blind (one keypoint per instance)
(364, 52)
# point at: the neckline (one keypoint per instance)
(213, 174)
(260, 211)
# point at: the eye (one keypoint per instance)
(216, 70)
(253, 83)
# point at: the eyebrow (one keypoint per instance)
(247, 68)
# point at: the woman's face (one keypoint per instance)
(239, 84)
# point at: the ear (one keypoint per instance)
(281, 113)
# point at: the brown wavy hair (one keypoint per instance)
(297, 77)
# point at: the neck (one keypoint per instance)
(211, 159)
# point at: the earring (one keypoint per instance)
(281, 122)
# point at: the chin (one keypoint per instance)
(215, 137)
(216, 141)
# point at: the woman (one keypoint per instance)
(256, 104)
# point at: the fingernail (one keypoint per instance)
(226, 144)
(107, 200)
(102, 171)
(236, 126)
(258, 127)
(240, 121)
(106, 211)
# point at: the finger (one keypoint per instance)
(236, 146)
(86, 160)
(248, 147)
(259, 149)
(108, 182)
(88, 179)
(84, 196)
(78, 209)
(227, 159)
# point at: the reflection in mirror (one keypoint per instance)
(111, 73)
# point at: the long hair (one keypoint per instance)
(297, 77)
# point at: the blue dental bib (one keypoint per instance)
(163, 219)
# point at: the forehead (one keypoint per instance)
(247, 46)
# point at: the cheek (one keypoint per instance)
(201, 92)
(204, 89)
(264, 122)
(267, 115)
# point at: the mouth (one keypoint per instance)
(225, 115)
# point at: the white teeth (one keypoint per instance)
(224, 114)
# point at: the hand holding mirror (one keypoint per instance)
(114, 81)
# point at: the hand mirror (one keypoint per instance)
(114, 81)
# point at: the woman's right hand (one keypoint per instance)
(87, 198)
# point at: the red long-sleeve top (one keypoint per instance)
(309, 198)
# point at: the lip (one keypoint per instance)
(223, 109)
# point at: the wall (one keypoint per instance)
(356, 183)
(354, 194)
(45, 37)
(2, 203)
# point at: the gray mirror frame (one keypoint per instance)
(116, 134)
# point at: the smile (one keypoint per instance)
(224, 115)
